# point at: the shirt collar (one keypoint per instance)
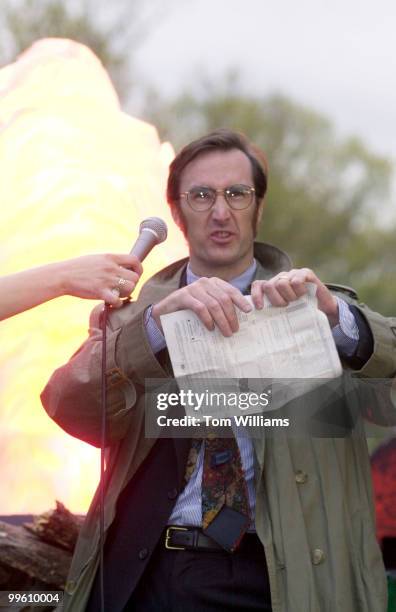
(240, 282)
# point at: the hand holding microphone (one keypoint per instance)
(106, 277)
(99, 277)
(152, 231)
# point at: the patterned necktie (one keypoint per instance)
(225, 501)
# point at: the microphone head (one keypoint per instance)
(155, 225)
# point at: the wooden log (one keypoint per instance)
(58, 527)
(36, 556)
(26, 562)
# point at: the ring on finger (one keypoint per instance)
(121, 282)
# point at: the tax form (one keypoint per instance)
(294, 341)
(284, 352)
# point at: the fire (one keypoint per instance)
(77, 176)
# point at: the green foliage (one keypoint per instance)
(325, 198)
(110, 34)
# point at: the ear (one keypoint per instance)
(179, 219)
(260, 211)
(176, 215)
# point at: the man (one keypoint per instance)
(302, 538)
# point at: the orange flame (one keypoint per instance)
(78, 175)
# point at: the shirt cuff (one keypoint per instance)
(346, 333)
(154, 334)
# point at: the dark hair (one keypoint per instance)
(219, 140)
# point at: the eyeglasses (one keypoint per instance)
(237, 197)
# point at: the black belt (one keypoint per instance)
(188, 538)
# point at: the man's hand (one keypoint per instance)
(288, 286)
(213, 301)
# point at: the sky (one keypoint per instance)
(337, 57)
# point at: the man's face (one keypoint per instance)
(220, 239)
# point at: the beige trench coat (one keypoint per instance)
(314, 512)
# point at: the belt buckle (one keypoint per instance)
(168, 536)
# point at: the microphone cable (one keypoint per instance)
(152, 231)
(102, 456)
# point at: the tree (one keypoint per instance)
(325, 199)
(111, 31)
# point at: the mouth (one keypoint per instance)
(221, 236)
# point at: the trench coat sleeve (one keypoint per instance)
(373, 367)
(375, 357)
(382, 363)
(72, 397)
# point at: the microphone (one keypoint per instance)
(152, 231)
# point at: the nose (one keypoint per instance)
(220, 210)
